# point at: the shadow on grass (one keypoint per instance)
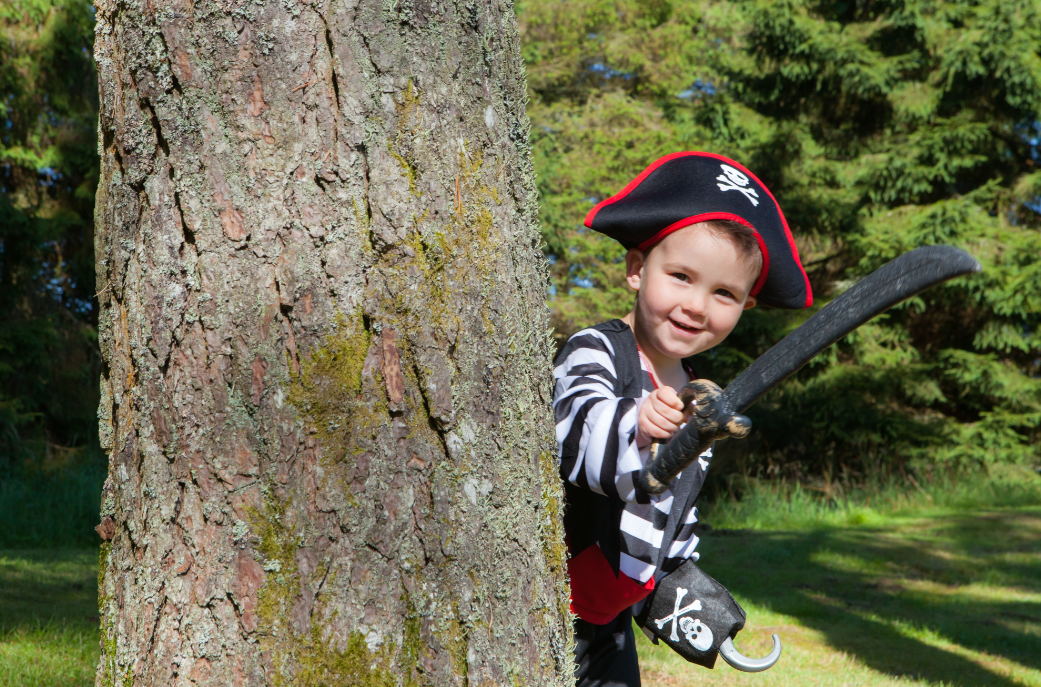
(57, 510)
(44, 586)
(929, 597)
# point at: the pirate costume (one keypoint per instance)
(615, 531)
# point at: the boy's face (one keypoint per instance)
(692, 287)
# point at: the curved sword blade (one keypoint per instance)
(896, 281)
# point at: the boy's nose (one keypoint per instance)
(696, 305)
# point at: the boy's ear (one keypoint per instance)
(634, 262)
(750, 302)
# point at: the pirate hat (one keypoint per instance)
(686, 188)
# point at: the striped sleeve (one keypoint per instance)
(596, 430)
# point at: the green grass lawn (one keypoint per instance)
(48, 618)
(916, 593)
(947, 598)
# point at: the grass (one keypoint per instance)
(48, 618)
(933, 585)
(928, 590)
(779, 505)
(58, 509)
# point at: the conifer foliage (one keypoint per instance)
(49, 366)
(880, 127)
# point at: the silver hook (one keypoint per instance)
(749, 665)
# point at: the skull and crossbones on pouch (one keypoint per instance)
(697, 634)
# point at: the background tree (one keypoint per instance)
(50, 463)
(48, 172)
(323, 326)
(880, 126)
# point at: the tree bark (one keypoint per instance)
(326, 382)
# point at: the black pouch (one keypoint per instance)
(692, 613)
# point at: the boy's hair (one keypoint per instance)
(741, 236)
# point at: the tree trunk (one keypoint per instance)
(326, 382)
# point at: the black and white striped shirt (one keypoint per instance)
(596, 437)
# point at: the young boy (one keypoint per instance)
(706, 241)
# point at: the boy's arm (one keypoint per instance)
(596, 430)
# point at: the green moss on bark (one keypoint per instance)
(313, 659)
(321, 664)
(328, 390)
(277, 547)
(401, 148)
(552, 525)
(448, 260)
(333, 394)
(452, 633)
(110, 674)
(553, 520)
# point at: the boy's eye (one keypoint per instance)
(680, 276)
(726, 294)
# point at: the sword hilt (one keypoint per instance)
(711, 421)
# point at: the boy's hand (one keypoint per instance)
(660, 416)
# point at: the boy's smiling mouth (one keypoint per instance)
(689, 328)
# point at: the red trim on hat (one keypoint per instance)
(672, 156)
(784, 221)
(758, 286)
(633, 184)
(708, 217)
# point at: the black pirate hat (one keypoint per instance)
(686, 188)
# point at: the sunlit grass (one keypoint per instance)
(50, 654)
(805, 660)
(942, 589)
(48, 618)
(770, 505)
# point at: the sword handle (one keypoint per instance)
(711, 421)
